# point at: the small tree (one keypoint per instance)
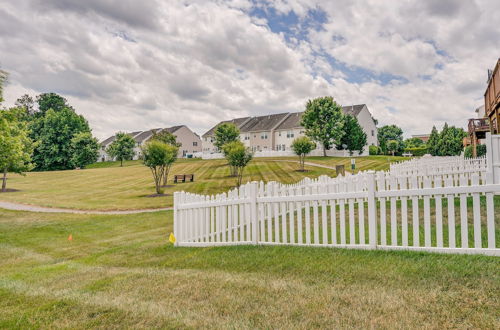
(172, 152)
(3, 79)
(156, 156)
(238, 156)
(302, 146)
(224, 134)
(15, 145)
(85, 149)
(414, 143)
(354, 138)
(122, 147)
(392, 146)
(323, 121)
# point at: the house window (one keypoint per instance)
(263, 136)
(283, 147)
(373, 133)
(195, 144)
(289, 134)
(279, 133)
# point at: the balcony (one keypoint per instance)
(479, 127)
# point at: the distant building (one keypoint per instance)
(276, 132)
(423, 137)
(190, 141)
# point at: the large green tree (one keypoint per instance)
(354, 138)
(3, 79)
(225, 133)
(47, 101)
(53, 133)
(451, 141)
(122, 148)
(85, 149)
(323, 121)
(15, 145)
(390, 132)
(414, 143)
(433, 142)
(26, 102)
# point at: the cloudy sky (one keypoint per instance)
(134, 65)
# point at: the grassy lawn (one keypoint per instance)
(107, 186)
(110, 187)
(119, 271)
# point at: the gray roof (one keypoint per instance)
(292, 121)
(141, 136)
(353, 110)
(263, 123)
(237, 122)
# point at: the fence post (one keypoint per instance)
(176, 220)
(372, 209)
(253, 212)
(490, 171)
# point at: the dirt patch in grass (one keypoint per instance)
(168, 186)
(9, 190)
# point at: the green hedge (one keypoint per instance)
(481, 151)
(417, 152)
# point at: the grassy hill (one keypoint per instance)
(107, 186)
(120, 271)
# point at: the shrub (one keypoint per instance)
(480, 149)
(417, 152)
(373, 150)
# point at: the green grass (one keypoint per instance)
(107, 186)
(111, 187)
(120, 271)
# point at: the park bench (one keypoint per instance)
(183, 178)
(407, 154)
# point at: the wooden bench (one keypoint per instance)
(407, 154)
(183, 178)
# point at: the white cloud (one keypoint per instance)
(131, 65)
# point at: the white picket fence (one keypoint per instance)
(410, 207)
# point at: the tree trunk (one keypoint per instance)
(121, 162)
(324, 150)
(4, 182)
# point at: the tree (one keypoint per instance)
(85, 149)
(122, 147)
(238, 156)
(354, 138)
(225, 133)
(156, 155)
(392, 146)
(302, 146)
(53, 133)
(323, 121)
(390, 132)
(165, 137)
(432, 143)
(172, 151)
(15, 145)
(26, 102)
(451, 141)
(414, 143)
(47, 101)
(3, 79)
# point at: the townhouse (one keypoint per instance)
(277, 132)
(190, 142)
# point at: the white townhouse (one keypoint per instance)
(190, 142)
(277, 132)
